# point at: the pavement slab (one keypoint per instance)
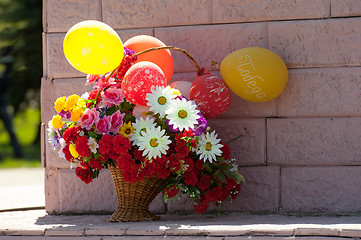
(231, 227)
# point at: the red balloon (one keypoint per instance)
(211, 94)
(163, 58)
(140, 79)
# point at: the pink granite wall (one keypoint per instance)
(300, 152)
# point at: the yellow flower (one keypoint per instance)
(73, 151)
(57, 122)
(59, 104)
(70, 102)
(126, 129)
(81, 103)
(76, 113)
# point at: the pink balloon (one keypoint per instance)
(211, 94)
(140, 79)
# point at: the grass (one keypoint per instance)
(25, 126)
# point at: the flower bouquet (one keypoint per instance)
(165, 145)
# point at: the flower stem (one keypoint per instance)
(234, 138)
(199, 70)
(101, 89)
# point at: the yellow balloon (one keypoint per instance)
(254, 74)
(93, 47)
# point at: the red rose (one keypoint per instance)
(204, 182)
(81, 146)
(105, 144)
(84, 174)
(191, 179)
(121, 144)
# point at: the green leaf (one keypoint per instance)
(93, 134)
(239, 178)
(229, 174)
(221, 176)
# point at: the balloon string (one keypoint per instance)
(199, 70)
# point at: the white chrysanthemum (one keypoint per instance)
(160, 99)
(209, 146)
(93, 145)
(62, 144)
(141, 125)
(154, 142)
(182, 114)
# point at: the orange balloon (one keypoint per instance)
(162, 58)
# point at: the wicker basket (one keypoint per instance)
(134, 198)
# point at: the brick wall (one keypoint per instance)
(300, 152)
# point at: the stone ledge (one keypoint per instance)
(39, 223)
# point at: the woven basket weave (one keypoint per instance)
(134, 198)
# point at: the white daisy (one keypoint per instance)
(160, 98)
(209, 147)
(141, 125)
(154, 142)
(182, 114)
(93, 145)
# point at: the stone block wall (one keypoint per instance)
(300, 152)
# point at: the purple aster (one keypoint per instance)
(65, 114)
(201, 126)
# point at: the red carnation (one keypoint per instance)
(124, 161)
(212, 195)
(67, 154)
(163, 172)
(130, 175)
(234, 193)
(174, 164)
(191, 179)
(105, 144)
(96, 164)
(201, 207)
(85, 165)
(226, 151)
(84, 174)
(70, 134)
(171, 191)
(93, 94)
(121, 144)
(204, 182)
(81, 146)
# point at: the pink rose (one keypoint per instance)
(113, 96)
(103, 125)
(91, 78)
(90, 117)
(116, 120)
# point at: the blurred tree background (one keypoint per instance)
(21, 46)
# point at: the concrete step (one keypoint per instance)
(37, 224)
